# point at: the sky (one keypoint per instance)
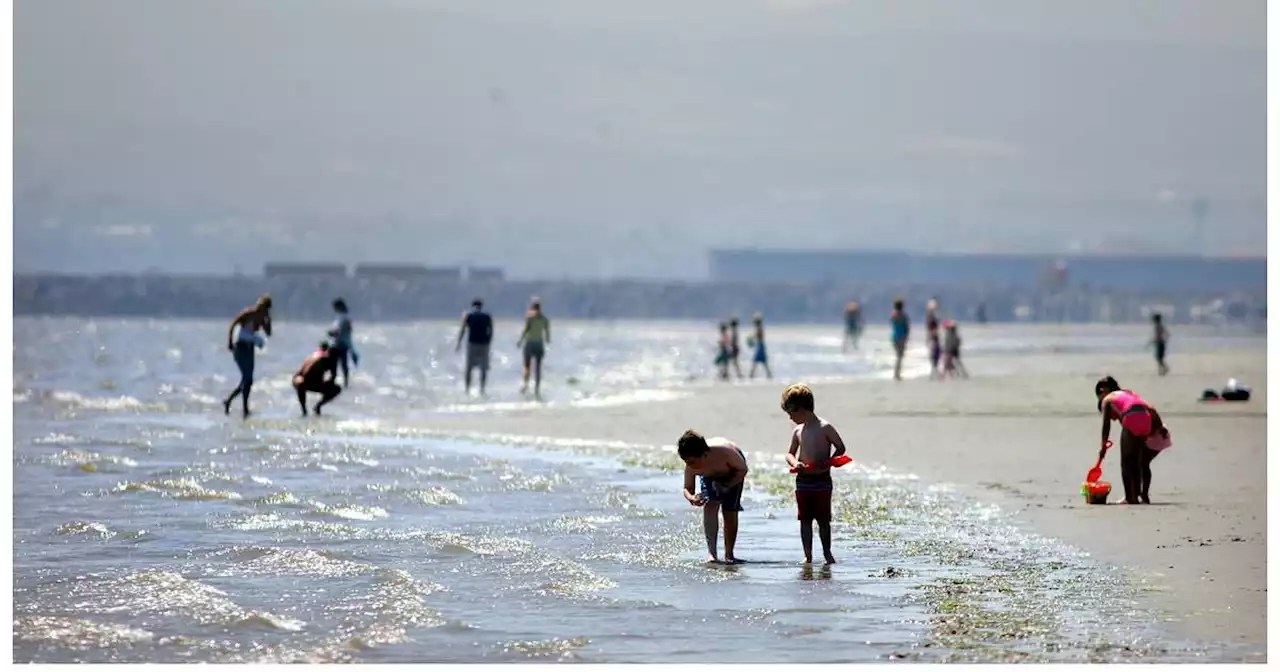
(580, 138)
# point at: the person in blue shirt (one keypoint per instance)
(901, 330)
(477, 326)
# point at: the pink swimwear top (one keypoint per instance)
(1123, 401)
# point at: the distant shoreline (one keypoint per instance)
(391, 299)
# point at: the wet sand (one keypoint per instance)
(1025, 440)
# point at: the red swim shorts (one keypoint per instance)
(814, 505)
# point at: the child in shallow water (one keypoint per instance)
(810, 455)
(1142, 436)
(722, 469)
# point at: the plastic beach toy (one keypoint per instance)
(838, 461)
(1095, 492)
(1096, 472)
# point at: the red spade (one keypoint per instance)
(837, 461)
(1095, 474)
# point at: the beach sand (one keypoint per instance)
(1025, 441)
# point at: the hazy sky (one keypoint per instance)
(596, 137)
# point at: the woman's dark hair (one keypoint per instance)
(1104, 386)
(340, 305)
(898, 304)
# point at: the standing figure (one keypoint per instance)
(901, 325)
(535, 337)
(245, 327)
(761, 355)
(477, 325)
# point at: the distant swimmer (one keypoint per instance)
(852, 325)
(760, 355)
(901, 325)
(932, 337)
(535, 338)
(477, 326)
(311, 377)
(1142, 436)
(1160, 339)
(734, 348)
(250, 321)
(951, 364)
(343, 347)
(814, 443)
(722, 469)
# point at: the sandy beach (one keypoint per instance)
(1024, 441)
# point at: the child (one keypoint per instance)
(761, 356)
(734, 349)
(723, 469)
(951, 364)
(1160, 339)
(1139, 422)
(901, 329)
(810, 453)
(932, 338)
(722, 352)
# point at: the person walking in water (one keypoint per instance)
(761, 356)
(933, 337)
(535, 338)
(1160, 339)
(477, 325)
(249, 322)
(735, 348)
(901, 330)
(722, 352)
(852, 325)
(341, 346)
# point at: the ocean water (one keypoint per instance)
(148, 526)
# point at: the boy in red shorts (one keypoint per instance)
(810, 454)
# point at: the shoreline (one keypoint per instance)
(1198, 552)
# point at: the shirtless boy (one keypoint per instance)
(723, 469)
(810, 454)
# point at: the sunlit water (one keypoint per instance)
(150, 527)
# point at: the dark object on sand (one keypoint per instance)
(1239, 394)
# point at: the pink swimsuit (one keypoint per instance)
(1132, 412)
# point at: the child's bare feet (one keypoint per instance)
(831, 559)
(712, 558)
(730, 560)
(808, 560)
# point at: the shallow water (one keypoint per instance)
(149, 527)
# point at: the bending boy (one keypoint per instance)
(723, 469)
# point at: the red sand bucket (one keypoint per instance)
(1095, 492)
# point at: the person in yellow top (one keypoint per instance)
(535, 337)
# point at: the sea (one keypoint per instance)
(150, 527)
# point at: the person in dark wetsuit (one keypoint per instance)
(250, 321)
(477, 325)
(1139, 422)
(311, 377)
(1160, 339)
(722, 467)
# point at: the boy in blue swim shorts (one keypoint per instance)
(722, 469)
